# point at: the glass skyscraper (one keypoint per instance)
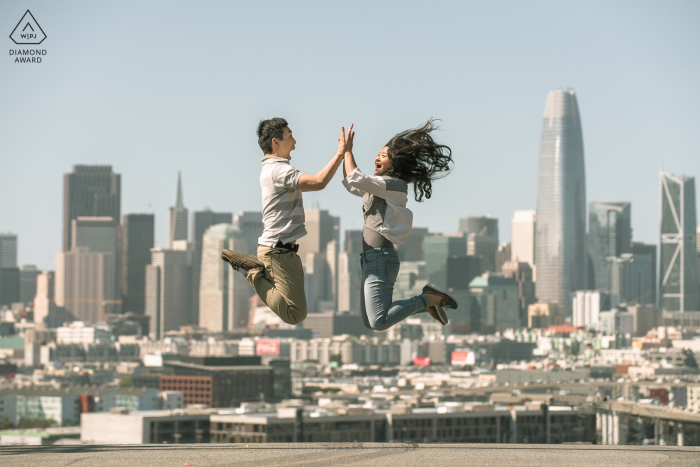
(678, 273)
(609, 234)
(560, 232)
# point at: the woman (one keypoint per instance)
(412, 157)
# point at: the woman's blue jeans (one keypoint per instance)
(380, 268)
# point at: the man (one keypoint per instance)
(276, 273)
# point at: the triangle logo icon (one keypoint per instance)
(28, 31)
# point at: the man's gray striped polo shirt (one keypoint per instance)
(283, 208)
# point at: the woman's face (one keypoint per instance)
(382, 164)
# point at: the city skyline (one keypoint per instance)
(194, 108)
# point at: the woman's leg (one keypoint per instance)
(363, 308)
(379, 275)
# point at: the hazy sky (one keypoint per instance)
(156, 87)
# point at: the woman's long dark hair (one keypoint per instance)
(417, 158)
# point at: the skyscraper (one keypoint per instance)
(178, 217)
(482, 239)
(678, 273)
(639, 248)
(523, 237)
(90, 190)
(224, 294)
(44, 303)
(85, 283)
(251, 224)
(412, 249)
(437, 248)
(8, 250)
(629, 279)
(27, 283)
(137, 241)
(350, 273)
(321, 228)
(560, 230)
(609, 234)
(201, 221)
(167, 291)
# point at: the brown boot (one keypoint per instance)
(240, 260)
(438, 314)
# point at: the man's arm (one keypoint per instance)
(319, 181)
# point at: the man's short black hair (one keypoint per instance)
(268, 129)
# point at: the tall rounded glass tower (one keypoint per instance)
(560, 232)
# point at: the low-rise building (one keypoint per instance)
(44, 403)
(121, 426)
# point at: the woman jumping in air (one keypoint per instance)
(411, 157)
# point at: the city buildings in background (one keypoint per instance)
(138, 344)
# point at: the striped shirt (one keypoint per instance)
(384, 204)
(283, 208)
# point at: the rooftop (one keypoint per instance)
(354, 454)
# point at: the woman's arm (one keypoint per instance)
(349, 165)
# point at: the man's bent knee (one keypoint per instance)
(294, 315)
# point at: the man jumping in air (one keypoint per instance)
(277, 274)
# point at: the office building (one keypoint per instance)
(587, 306)
(92, 191)
(9, 286)
(352, 242)
(321, 228)
(178, 217)
(503, 254)
(317, 283)
(8, 250)
(645, 318)
(560, 230)
(44, 303)
(48, 403)
(167, 291)
(436, 249)
(85, 284)
(251, 224)
(542, 315)
(521, 273)
(120, 426)
(27, 283)
(137, 240)
(609, 234)
(629, 279)
(616, 321)
(412, 249)
(523, 237)
(482, 239)
(224, 293)
(639, 248)
(201, 221)
(349, 283)
(498, 302)
(219, 384)
(461, 270)
(678, 273)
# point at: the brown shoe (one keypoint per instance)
(438, 313)
(241, 260)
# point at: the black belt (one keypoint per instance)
(287, 246)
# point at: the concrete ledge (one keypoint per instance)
(347, 454)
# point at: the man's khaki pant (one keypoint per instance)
(281, 283)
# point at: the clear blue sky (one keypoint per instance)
(156, 87)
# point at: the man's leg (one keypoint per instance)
(280, 284)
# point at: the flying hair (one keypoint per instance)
(418, 159)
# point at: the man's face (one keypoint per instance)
(286, 144)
